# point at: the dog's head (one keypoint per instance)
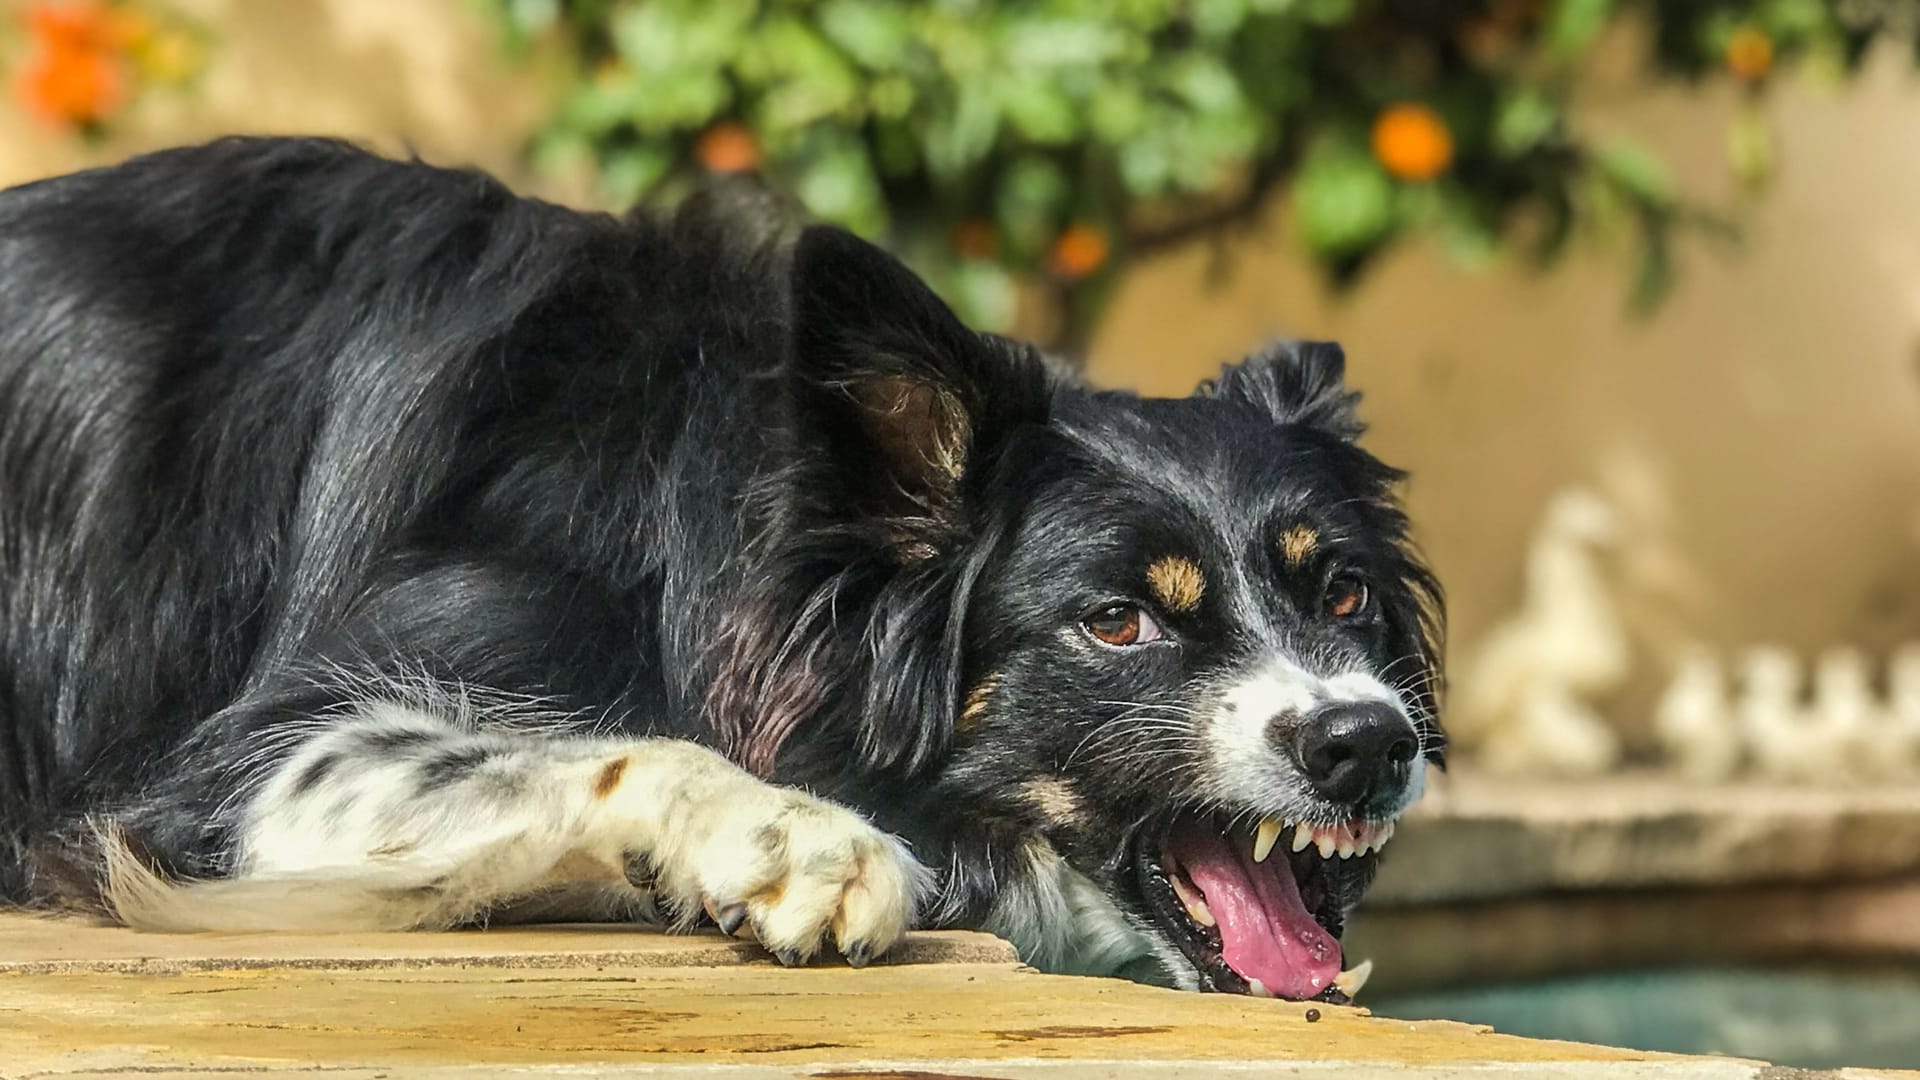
(1182, 645)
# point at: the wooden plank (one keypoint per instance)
(30, 944)
(86, 1001)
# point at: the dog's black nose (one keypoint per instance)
(1354, 750)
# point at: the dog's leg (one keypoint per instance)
(391, 816)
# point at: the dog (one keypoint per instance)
(380, 549)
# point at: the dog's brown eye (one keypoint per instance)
(1346, 597)
(1123, 624)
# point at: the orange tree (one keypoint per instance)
(78, 64)
(999, 141)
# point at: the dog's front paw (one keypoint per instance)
(797, 869)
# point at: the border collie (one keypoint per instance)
(379, 549)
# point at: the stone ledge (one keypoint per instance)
(1523, 938)
(1477, 837)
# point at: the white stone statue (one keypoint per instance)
(1845, 717)
(1694, 722)
(1901, 724)
(1775, 727)
(1526, 701)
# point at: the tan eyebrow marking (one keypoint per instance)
(1297, 543)
(975, 709)
(1177, 583)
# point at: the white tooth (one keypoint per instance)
(1327, 842)
(1302, 836)
(1350, 982)
(1381, 835)
(1195, 904)
(1263, 840)
(1199, 913)
(1258, 989)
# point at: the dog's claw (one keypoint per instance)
(729, 918)
(788, 957)
(859, 956)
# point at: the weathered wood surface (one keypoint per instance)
(79, 1001)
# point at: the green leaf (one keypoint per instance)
(1750, 148)
(836, 182)
(677, 100)
(1029, 201)
(1203, 81)
(532, 16)
(559, 150)
(962, 134)
(667, 35)
(1638, 171)
(630, 174)
(1342, 202)
(1653, 276)
(1527, 116)
(877, 35)
(1118, 112)
(1215, 20)
(1573, 25)
(1146, 163)
(1794, 20)
(1048, 42)
(1040, 111)
(984, 295)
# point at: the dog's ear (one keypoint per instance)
(1297, 382)
(903, 399)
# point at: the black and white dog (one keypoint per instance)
(380, 549)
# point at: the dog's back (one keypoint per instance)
(231, 376)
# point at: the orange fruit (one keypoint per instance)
(1079, 250)
(72, 86)
(728, 147)
(74, 25)
(1750, 54)
(1411, 142)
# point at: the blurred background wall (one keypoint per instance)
(1760, 427)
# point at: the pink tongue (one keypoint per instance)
(1265, 931)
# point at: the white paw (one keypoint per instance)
(798, 869)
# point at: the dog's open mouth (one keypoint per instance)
(1261, 912)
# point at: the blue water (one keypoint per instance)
(1816, 1019)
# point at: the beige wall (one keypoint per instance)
(1766, 417)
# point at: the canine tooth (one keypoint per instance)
(1195, 904)
(1199, 913)
(1328, 844)
(1263, 840)
(1258, 989)
(1350, 982)
(1302, 836)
